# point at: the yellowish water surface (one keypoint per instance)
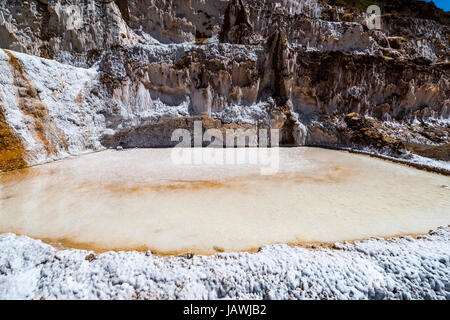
(140, 199)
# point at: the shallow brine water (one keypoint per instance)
(140, 199)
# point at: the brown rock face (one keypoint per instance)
(367, 133)
(123, 6)
(435, 152)
(236, 26)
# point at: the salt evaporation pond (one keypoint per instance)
(139, 199)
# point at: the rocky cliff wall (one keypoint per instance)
(95, 74)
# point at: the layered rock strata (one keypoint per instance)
(78, 76)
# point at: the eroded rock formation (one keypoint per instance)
(236, 25)
(130, 72)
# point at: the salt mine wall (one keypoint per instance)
(79, 76)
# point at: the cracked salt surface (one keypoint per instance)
(139, 200)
